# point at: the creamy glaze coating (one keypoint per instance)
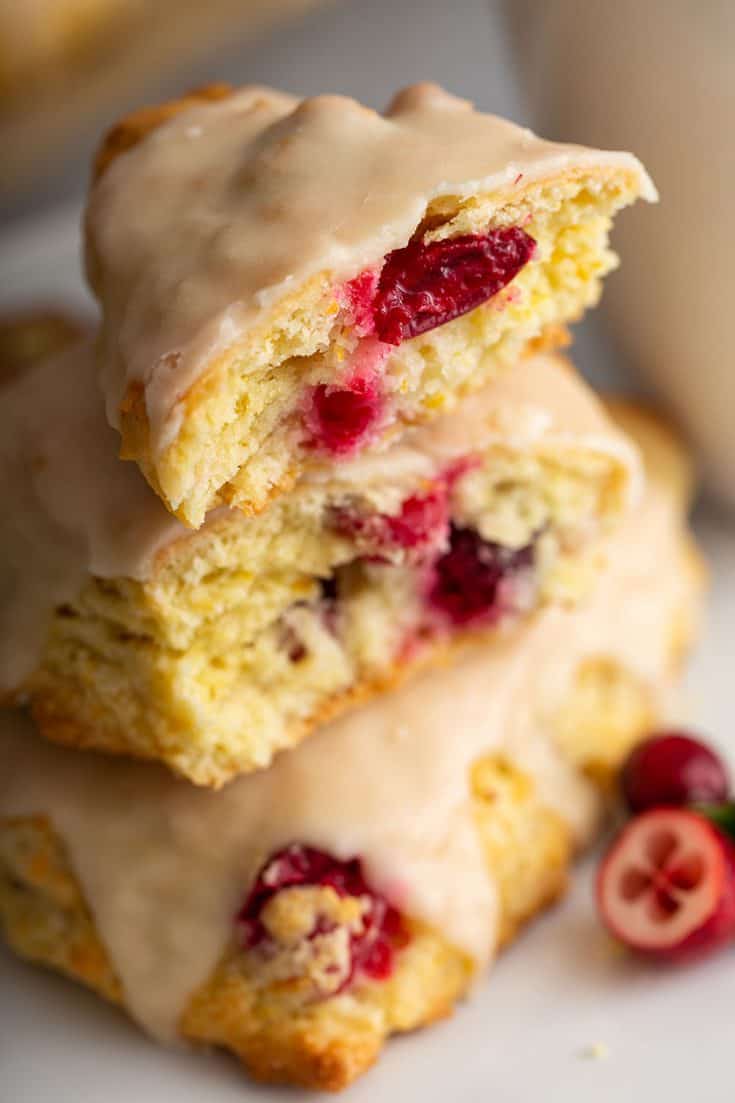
(72, 508)
(163, 865)
(218, 213)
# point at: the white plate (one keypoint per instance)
(525, 1037)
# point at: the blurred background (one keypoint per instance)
(70, 67)
(654, 76)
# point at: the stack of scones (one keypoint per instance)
(321, 523)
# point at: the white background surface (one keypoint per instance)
(562, 987)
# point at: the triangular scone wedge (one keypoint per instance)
(287, 283)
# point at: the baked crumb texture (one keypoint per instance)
(241, 439)
(254, 630)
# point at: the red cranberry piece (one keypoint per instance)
(666, 888)
(372, 951)
(340, 418)
(421, 523)
(423, 519)
(673, 768)
(423, 286)
(468, 581)
(358, 295)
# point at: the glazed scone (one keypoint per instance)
(355, 889)
(286, 283)
(275, 1024)
(212, 650)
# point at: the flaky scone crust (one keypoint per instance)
(54, 712)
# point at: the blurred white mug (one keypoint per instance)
(657, 77)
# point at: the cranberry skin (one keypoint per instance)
(673, 769)
(340, 419)
(372, 952)
(466, 581)
(422, 286)
(666, 887)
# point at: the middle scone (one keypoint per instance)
(212, 650)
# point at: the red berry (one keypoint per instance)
(469, 583)
(383, 930)
(423, 286)
(422, 520)
(673, 768)
(358, 295)
(666, 887)
(339, 419)
(421, 524)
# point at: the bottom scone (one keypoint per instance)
(301, 915)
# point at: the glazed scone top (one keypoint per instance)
(227, 207)
(164, 866)
(71, 507)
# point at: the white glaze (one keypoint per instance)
(163, 865)
(71, 508)
(217, 214)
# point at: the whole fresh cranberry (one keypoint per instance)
(673, 768)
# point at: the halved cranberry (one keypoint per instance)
(666, 888)
(673, 768)
(423, 286)
(383, 931)
(469, 583)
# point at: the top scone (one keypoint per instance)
(286, 281)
